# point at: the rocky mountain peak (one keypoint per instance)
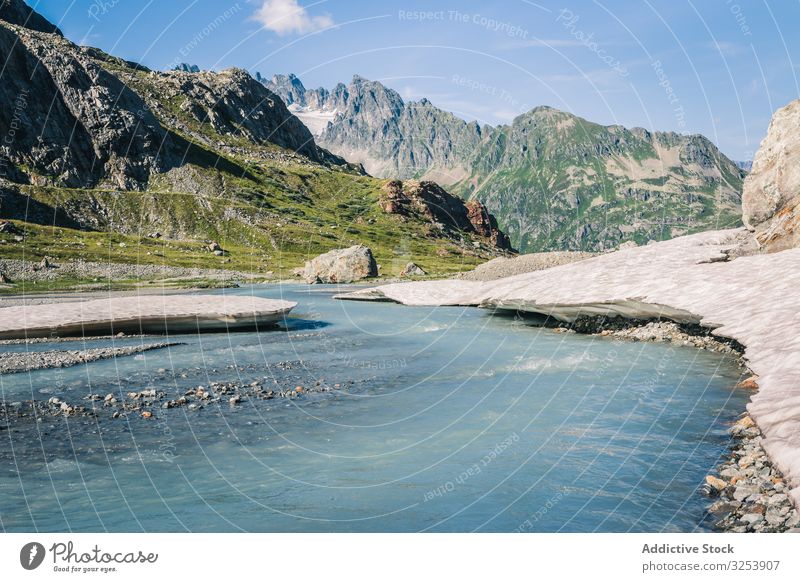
(19, 13)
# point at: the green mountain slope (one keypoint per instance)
(553, 180)
(106, 153)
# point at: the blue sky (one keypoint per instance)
(717, 67)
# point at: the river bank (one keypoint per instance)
(572, 417)
(748, 491)
(691, 281)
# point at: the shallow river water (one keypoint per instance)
(438, 419)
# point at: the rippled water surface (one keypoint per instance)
(445, 419)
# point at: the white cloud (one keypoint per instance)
(287, 17)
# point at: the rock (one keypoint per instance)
(793, 519)
(110, 398)
(219, 253)
(744, 491)
(412, 270)
(214, 246)
(749, 383)
(235, 399)
(774, 518)
(4, 279)
(9, 228)
(44, 263)
(777, 499)
(745, 422)
(771, 193)
(147, 414)
(154, 235)
(753, 518)
(341, 266)
(716, 483)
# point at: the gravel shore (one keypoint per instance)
(752, 492)
(17, 270)
(14, 362)
(506, 267)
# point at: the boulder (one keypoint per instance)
(412, 270)
(771, 194)
(341, 266)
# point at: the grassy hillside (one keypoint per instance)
(227, 180)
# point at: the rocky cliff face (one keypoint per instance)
(76, 117)
(554, 180)
(370, 124)
(292, 91)
(771, 198)
(68, 121)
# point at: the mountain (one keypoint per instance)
(314, 107)
(96, 148)
(554, 180)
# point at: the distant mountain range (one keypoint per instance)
(553, 179)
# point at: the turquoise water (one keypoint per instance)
(444, 419)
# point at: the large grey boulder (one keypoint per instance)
(771, 195)
(341, 266)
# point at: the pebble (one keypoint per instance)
(753, 499)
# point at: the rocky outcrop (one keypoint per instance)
(19, 13)
(486, 225)
(434, 204)
(341, 266)
(509, 266)
(771, 197)
(412, 270)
